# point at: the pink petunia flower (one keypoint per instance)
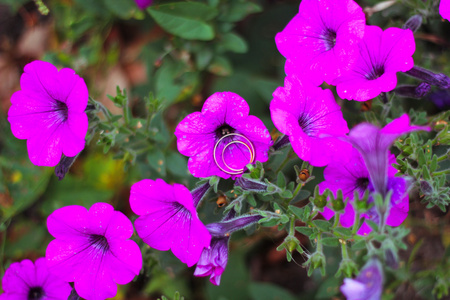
(92, 249)
(353, 175)
(368, 285)
(49, 112)
(168, 219)
(381, 55)
(143, 4)
(222, 139)
(321, 40)
(25, 280)
(213, 260)
(444, 9)
(307, 114)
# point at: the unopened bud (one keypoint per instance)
(413, 23)
(304, 175)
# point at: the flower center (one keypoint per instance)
(35, 293)
(362, 183)
(99, 242)
(224, 130)
(376, 72)
(304, 122)
(329, 38)
(62, 110)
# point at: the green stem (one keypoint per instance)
(443, 157)
(292, 226)
(344, 251)
(356, 224)
(337, 217)
(2, 247)
(319, 243)
(126, 112)
(104, 110)
(443, 172)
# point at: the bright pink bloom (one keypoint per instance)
(92, 249)
(381, 55)
(444, 9)
(25, 280)
(143, 4)
(368, 285)
(49, 112)
(321, 40)
(222, 139)
(310, 117)
(168, 219)
(353, 175)
(213, 260)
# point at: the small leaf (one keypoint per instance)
(330, 241)
(372, 225)
(286, 194)
(297, 211)
(344, 232)
(232, 42)
(305, 230)
(322, 225)
(359, 245)
(281, 180)
(185, 19)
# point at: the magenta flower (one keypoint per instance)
(368, 285)
(381, 55)
(321, 40)
(168, 219)
(25, 280)
(309, 116)
(353, 175)
(373, 143)
(444, 9)
(49, 112)
(143, 4)
(222, 139)
(213, 260)
(92, 249)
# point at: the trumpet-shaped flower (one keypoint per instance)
(92, 249)
(381, 55)
(49, 112)
(310, 117)
(353, 175)
(168, 219)
(25, 280)
(222, 139)
(213, 260)
(143, 4)
(368, 285)
(444, 9)
(321, 40)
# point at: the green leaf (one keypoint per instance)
(330, 241)
(305, 230)
(297, 211)
(121, 8)
(344, 232)
(281, 180)
(177, 164)
(157, 161)
(372, 225)
(286, 194)
(236, 11)
(185, 19)
(359, 245)
(232, 42)
(322, 225)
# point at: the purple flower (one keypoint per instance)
(321, 40)
(222, 139)
(143, 4)
(49, 112)
(444, 9)
(381, 55)
(373, 143)
(213, 260)
(307, 113)
(368, 285)
(353, 175)
(168, 219)
(92, 249)
(25, 280)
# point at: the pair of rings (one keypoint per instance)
(247, 143)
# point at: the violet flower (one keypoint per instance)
(353, 175)
(306, 114)
(373, 143)
(381, 55)
(444, 9)
(321, 40)
(143, 4)
(49, 112)
(92, 249)
(25, 280)
(168, 219)
(214, 259)
(222, 139)
(368, 285)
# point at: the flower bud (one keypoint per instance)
(413, 23)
